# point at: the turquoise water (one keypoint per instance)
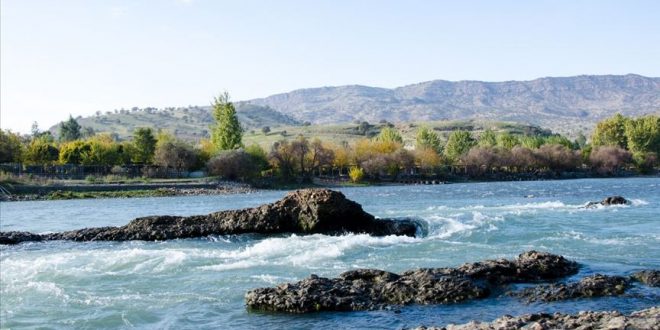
(200, 283)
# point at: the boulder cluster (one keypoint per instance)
(368, 289)
(643, 319)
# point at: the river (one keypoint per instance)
(200, 283)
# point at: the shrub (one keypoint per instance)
(609, 159)
(356, 174)
(233, 165)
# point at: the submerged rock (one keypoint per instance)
(591, 286)
(305, 211)
(368, 289)
(650, 277)
(612, 200)
(643, 319)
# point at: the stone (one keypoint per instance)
(591, 286)
(369, 289)
(650, 277)
(643, 319)
(307, 211)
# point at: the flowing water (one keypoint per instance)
(200, 283)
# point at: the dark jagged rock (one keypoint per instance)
(531, 266)
(367, 289)
(643, 319)
(591, 286)
(305, 211)
(650, 277)
(15, 237)
(608, 201)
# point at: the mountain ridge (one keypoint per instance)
(554, 102)
(567, 105)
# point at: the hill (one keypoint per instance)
(567, 105)
(190, 123)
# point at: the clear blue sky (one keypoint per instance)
(77, 57)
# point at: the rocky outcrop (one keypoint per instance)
(644, 319)
(591, 286)
(608, 201)
(650, 277)
(368, 289)
(306, 211)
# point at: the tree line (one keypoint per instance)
(616, 143)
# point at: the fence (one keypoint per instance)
(80, 172)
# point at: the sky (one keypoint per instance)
(68, 57)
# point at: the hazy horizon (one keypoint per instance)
(77, 57)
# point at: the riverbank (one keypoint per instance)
(64, 191)
(79, 189)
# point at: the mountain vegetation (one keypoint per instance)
(567, 105)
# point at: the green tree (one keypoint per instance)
(488, 139)
(532, 142)
(458, 144)
(258, 155)
(73, 152)
(227, 132)
(11, 148)
(643, 134)
(507, 141)
(560, 140)
(389, 134)
(611, 132)
(70, 130)
(427, 138)
(145, 145)
(41, 151)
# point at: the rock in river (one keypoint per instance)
(306, 211)
(608, 201)
(591, 286)
(650, 277)
(644, 319)
(368, 289)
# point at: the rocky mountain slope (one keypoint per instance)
(562, 104)
(566, 105)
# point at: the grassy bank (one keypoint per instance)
(68, 194)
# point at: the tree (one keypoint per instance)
(233, 165)
(428, 139)
(70, 130)
(389, 134)
(611, 132)
(11, 148)
(227, 132)
(258, 156)
(265, 130)
(175, 154)
(487, 139)
(145, 145)
(643, 134)
(73, 152)
(41, 151)
(507, 141)
(458, 144)
(282, 158)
